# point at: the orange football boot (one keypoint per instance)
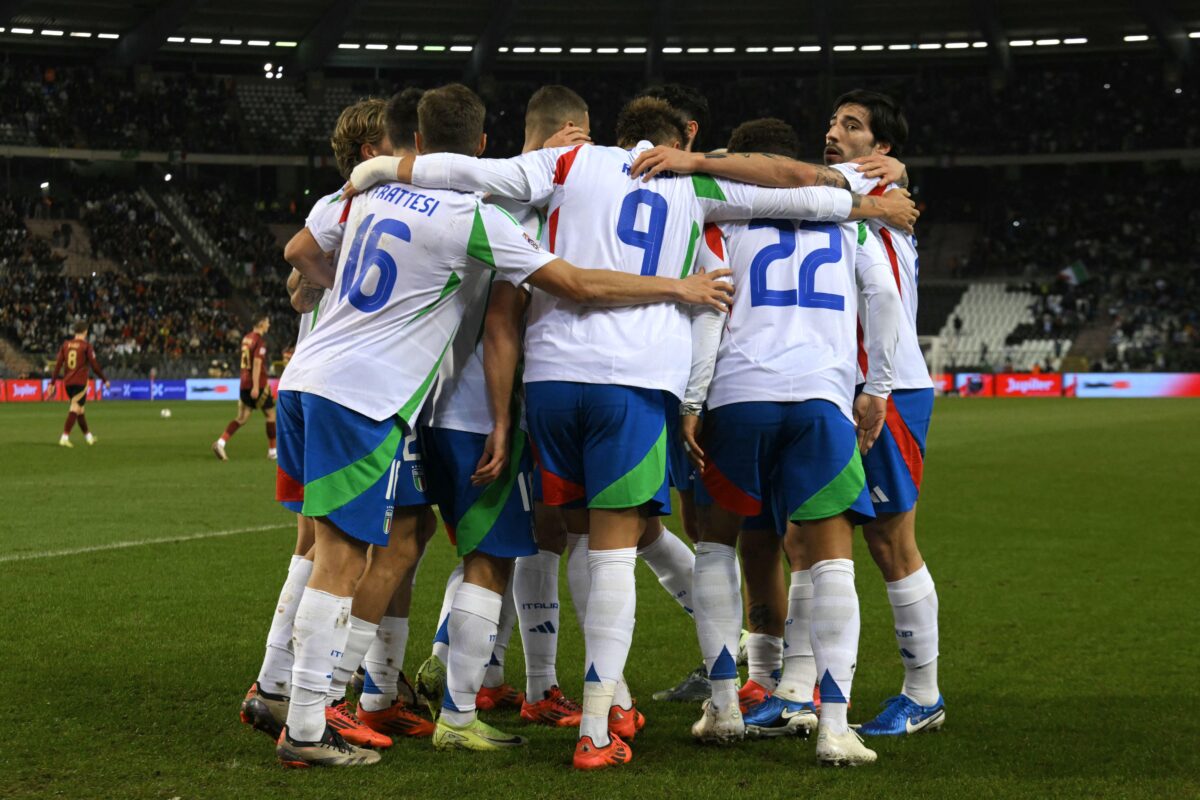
(589, 756)
(398, 719)
(502, 696)
(625, 722)
(555, 710)
(353, 731)
(751, 695)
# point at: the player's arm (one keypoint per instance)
(603, 287)
(501, 354)
(95, 365)
(258, 372)
(527, 178)
(59, 363)
(887, 169)
(763, 169)
(303, 293)
(884, 315)
(307, 258)
(732, 200)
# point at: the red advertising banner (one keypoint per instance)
(943, 382)
(21, 390)
(1049, 384)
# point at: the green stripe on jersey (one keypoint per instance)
(639, 484)
(452, 283)
(481, 517)
(406, 411)
(837, 495)
(541, 218)
(478, 246)
(691, 251)
(862, 233)
(329, 493)
(707, 186)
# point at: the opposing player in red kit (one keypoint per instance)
(75, 358)
(255, 390)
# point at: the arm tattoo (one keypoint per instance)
(759, 617)
(856, 200)
(827, 176)
(741, 155)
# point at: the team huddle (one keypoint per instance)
(542, 347)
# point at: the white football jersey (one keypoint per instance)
(397, 301)
(325, 222)
(600, 218)
(901, 249)
(791, 334)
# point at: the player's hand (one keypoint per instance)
(707, 289)
(254, 393)
(689, 431)
(899, 210)
(661, 158)
(373, 171)
(568, 135)
(870, 412)
(494, 459)
(886, 168)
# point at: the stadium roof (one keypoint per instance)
(316, 33)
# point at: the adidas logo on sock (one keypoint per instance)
(545, 627)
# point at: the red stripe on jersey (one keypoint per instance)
(862, 351)
(558, 491)
(287, 488)
(713, 238)
(910, 451)
(888, 245)
(553, 223)
(727, 494)
(565, 162)
(345, 212)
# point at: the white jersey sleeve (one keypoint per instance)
(707, 323)
(879, 304)
(724, 200)
(528, 178)
(499, 242)
(326, 221)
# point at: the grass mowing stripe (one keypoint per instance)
(74, 551)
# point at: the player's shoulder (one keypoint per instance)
(859, 183)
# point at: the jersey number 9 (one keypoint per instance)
(650, 240)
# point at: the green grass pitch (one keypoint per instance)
(1062, 536)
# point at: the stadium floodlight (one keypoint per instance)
(978, 45)
(756, 49)
(1194, 35)
(810, 48)
(724, 49)
(21, 31)
(672, 50)
(871, 47)
(109, 35)
(377, 46)
(549, 49)
(176, 39)
(1076, 40)
(1178, 90)
(697, 50)
(81, 34)
(200, 40)
(957, 45)
(581, 49)
(1048, 42)
(461, 48)
(783, 49)
(167, 178)
(1137, 37)
(845, 48)
(348, 46)
(267, 67)
(231, 42)
(524, 49)
(48, 32)
(1021, 43)
(285, 44)
(608, 51)
(258, 43)
(899, 47)
(411, 47)
(635, 50)
(929, 46)
(45, 184)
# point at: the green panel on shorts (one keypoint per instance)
(329, 493)
(479, 519)
(641, 483)
(837, 495)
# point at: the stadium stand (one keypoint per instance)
(980, 330)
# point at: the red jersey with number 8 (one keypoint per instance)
(75, 357)
(253, 347)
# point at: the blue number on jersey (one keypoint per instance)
(650, 240)
(360, 261)
(809, 296)
(806, 296)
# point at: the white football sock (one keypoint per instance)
(799, 666)
(362, 633)
(764, 656)
(473, 618)
(718, 606)
(383, 664)
(535, 595)
(275, 676)
(621, 695)
(319, 635)
(673, 563)
(915, 610)
(579, 579)
(608, 632)
(494, 676)
(441, 640)
(834, 637)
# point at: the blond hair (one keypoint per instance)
(358, 124)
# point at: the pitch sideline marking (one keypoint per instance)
(135, 543)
